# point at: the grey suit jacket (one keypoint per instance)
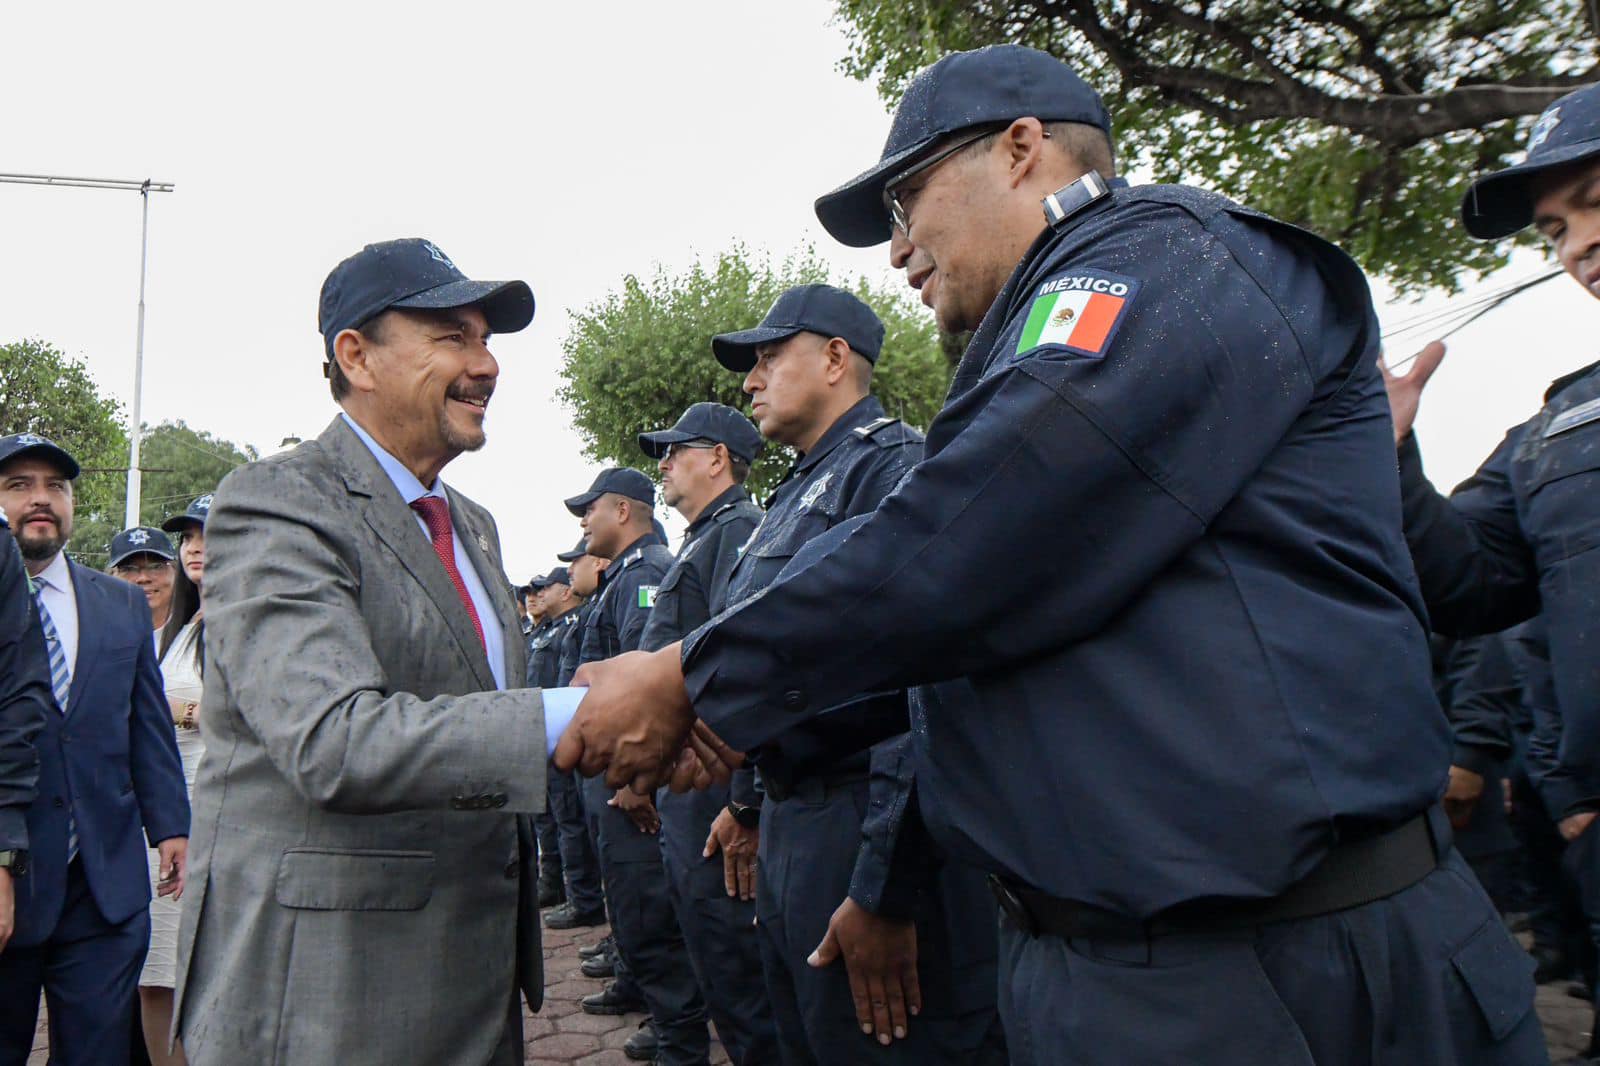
(353, 894)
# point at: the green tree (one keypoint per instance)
(1359, 119)
(635, 359)
(44, 391)
(180, 463)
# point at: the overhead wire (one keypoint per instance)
(1456, 316)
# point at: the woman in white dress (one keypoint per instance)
(182, 650)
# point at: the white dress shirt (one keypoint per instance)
(61, 600)
(559, 704)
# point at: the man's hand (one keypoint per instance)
(706, 760)
(880, 956)
(1461, 796)
(641, 810)
(174, 868)
(1572, 826)
(738, 846)
(632, 723)
(8, 907)
(1405, 390)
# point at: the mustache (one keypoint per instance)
(42, 512)
(480, 393)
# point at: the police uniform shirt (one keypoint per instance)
(544, 662)
(1517, 538)
(698, 576)
(572, 643)
(1190, 637)
(627, 595)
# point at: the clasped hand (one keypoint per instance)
(636, 725)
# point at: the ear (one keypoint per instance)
(837, 352)
(719, 459)
(352, 351)
(1023, 143)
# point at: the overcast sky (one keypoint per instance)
(568, 145)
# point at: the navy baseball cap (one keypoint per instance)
(537, 583)
(1499, 204)
(559, 576)
(195, 515)
(824, 309)
(138, 541)
(993, 85)
(414, 274)
(20, 444)
(622, 480)
(715, 422)
(576, 553)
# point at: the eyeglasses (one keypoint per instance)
(141, 568)
(675, 451)
(898, 213)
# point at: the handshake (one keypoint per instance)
(636, 725)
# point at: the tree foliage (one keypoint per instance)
(180, 463)
(44, 391)
(637, 358)
(1359, 119)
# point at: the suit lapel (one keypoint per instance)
(396, 525)
(90, 635)
(480, 548)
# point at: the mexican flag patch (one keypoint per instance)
(647, 596)
(1080, 311)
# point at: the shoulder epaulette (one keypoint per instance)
(866, 431)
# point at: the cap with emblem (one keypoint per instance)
(140, 540)
(824, 309)
(20, 444)
(714, 422)
(1499, 204)
(622, 480)
(964, 90)
(576, 553)
(193, 517)
(415, 275)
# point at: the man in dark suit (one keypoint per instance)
(108, 767)
(24, 695)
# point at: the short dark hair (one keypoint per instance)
(374, 330)
(738, 468)
(1089, 146)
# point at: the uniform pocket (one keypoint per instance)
(328, 879)
(1499, 975)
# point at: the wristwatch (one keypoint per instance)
(749, 817)
(16, 861)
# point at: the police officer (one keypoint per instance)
(585, 905)
(617, 515)
(704, 460)
(835, 812)
(24, 698)
(1191, 731)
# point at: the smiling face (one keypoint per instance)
(421, 383)
(37, 498)
(154, 576)
(1566, 211)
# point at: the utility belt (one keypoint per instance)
(1355, 872)
(782, 784)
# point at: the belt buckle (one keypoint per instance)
(1012, 907)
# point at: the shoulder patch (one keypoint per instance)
(1079, 310)
(647, 596)
(1573, 417)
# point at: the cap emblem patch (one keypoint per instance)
(438, 256)
(138, 536)
(1544, 128)
(30, 439)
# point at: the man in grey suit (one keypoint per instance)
(362, 885)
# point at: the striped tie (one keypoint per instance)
(61, 687)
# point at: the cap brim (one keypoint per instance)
(570, 557)
(1499, 204)
(737, 351)
(179, 522)
(506, 305)
(67, 464)
(157, 552)
(853, 214)
(655, 444)
(576, 505)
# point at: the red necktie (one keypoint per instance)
(435, 514)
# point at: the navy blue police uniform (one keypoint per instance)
(834, 814)
(580, 865)
(1201, 756)
(650, 947)
(546, 833)
(718, 930)
(25, 698)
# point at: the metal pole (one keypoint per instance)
(134, 430)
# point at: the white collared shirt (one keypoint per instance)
(410, 489)
(60, 599)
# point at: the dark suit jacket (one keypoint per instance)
(115, 752)
(24, 694)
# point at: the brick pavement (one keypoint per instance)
(561, 1033)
